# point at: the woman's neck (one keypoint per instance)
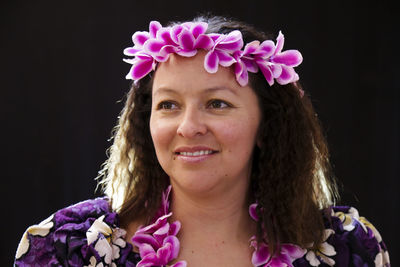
(214, 225)
(213, 219)
(227, 211)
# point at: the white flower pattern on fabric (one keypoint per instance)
(107, 241)
(92, 261)
(107, 246)
(349, 221)
(41, 229)
(365, 223)
(323, 253)
(382, 259)
(347, 218)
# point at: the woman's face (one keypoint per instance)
(203, 125)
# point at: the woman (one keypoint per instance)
(218, 160)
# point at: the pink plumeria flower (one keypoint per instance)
(187, 38)
(269, 58)
(143, 63)
(262, 257)
(281, 65)
(190, 37)
(157, 242)
(285, 258)
(222, 51)
(248, 58)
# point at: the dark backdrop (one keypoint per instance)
(62, 77)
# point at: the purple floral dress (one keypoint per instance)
(88, 234)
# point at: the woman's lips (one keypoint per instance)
(194, 154)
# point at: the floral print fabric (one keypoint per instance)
(85, 234)
(88, 234)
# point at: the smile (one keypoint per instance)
(196, 153)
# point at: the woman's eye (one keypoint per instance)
(167, 105)
(218, 104)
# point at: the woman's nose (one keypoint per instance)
(191, 124)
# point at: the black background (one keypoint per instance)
(62, 77)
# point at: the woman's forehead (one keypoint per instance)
(182, 73)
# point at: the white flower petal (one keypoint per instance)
(92, 261)
(98, 227)
(104, 249)
(376, 234)
(120, 242)
(48, 220)
(382, 259)
(41, 229)
(328, 233)
(327, 249)
(312, 258)
(327, 260)
(23, 246)
(378, 260)
(115, 252)
(348, 227)
(385, 257)
(354, 213)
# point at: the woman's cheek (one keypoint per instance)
(162, 133)
(229, 130)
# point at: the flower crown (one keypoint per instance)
(223, 49)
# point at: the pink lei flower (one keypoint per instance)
(187, 38)
(262, 257)
(285, 258)
(157, 242)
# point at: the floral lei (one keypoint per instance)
(187, 38)
(158, 244)
(88, 234)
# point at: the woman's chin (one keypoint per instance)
(196, 185)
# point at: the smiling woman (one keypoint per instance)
(218, 160)
(205, 136)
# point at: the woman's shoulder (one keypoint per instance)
(349, 240)
(81, 234)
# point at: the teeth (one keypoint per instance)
(197, 153)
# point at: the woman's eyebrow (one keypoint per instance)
(165, 90)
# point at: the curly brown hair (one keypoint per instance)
(291, 176)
